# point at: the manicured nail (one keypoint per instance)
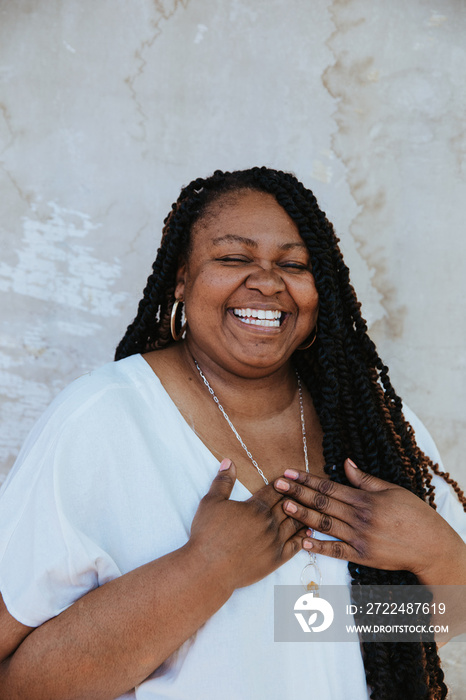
(282, 485)
(291, 473)
(307, 544)
(291, 507)
(225, 464)
(351, 463)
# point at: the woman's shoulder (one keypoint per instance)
(87, 403)
(448, 504)
(105, 383)
(121, 373)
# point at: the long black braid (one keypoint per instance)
(359, 411)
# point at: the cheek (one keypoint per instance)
(206, 294)
(308, 299)
(209, 285)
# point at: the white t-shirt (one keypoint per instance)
(110, 479)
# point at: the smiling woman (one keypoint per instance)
(162, 497)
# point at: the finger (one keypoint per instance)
(345, 494)
(340, 492)
(363, 481)
(316, 500)
(290, 527)
(336, 549)
(223, 482)
(322, 522)
(268, 496)
(279, 514)
(292, 546)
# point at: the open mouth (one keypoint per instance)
(260, 317)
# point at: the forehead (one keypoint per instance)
(247, 213)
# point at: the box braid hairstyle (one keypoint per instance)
(360, 413)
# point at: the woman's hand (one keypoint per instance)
(376, 523)
(243, 541)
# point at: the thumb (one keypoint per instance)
(366, 482)
(224, 481)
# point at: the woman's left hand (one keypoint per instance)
(376, 523)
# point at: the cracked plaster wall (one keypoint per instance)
(107, 108)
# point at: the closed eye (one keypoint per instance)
(239, 259)
(295, 266)
(233, 259)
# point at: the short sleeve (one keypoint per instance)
(448, 504)
(47, 561)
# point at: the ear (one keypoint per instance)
(180, 281)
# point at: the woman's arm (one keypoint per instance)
(116, 635)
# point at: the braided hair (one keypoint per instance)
(359, 411)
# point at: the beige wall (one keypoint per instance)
(108, 107)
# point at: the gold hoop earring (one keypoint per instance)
(306, 347)
(177, 336)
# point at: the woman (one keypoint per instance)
(271, 374)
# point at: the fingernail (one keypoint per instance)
(351, 463)
(307, 544)
(282, 485)
(291, 473)
(310, 533)
(291, 507)
(225, 464)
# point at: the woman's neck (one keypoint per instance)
(260, 394)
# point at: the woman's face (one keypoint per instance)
(250, 297)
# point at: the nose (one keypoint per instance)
(266, 280)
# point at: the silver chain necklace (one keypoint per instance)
(238, 436)
(311, 576)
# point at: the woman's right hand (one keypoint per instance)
(243, 541)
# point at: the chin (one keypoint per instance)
(262, 361)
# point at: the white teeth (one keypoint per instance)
(259, 317)
(258, 313)
(260, 322)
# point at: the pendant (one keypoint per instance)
(311, 577)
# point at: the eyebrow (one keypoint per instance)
(250, 242)
(233, 237)
(289, 246)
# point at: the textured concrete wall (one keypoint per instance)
(107, 108)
